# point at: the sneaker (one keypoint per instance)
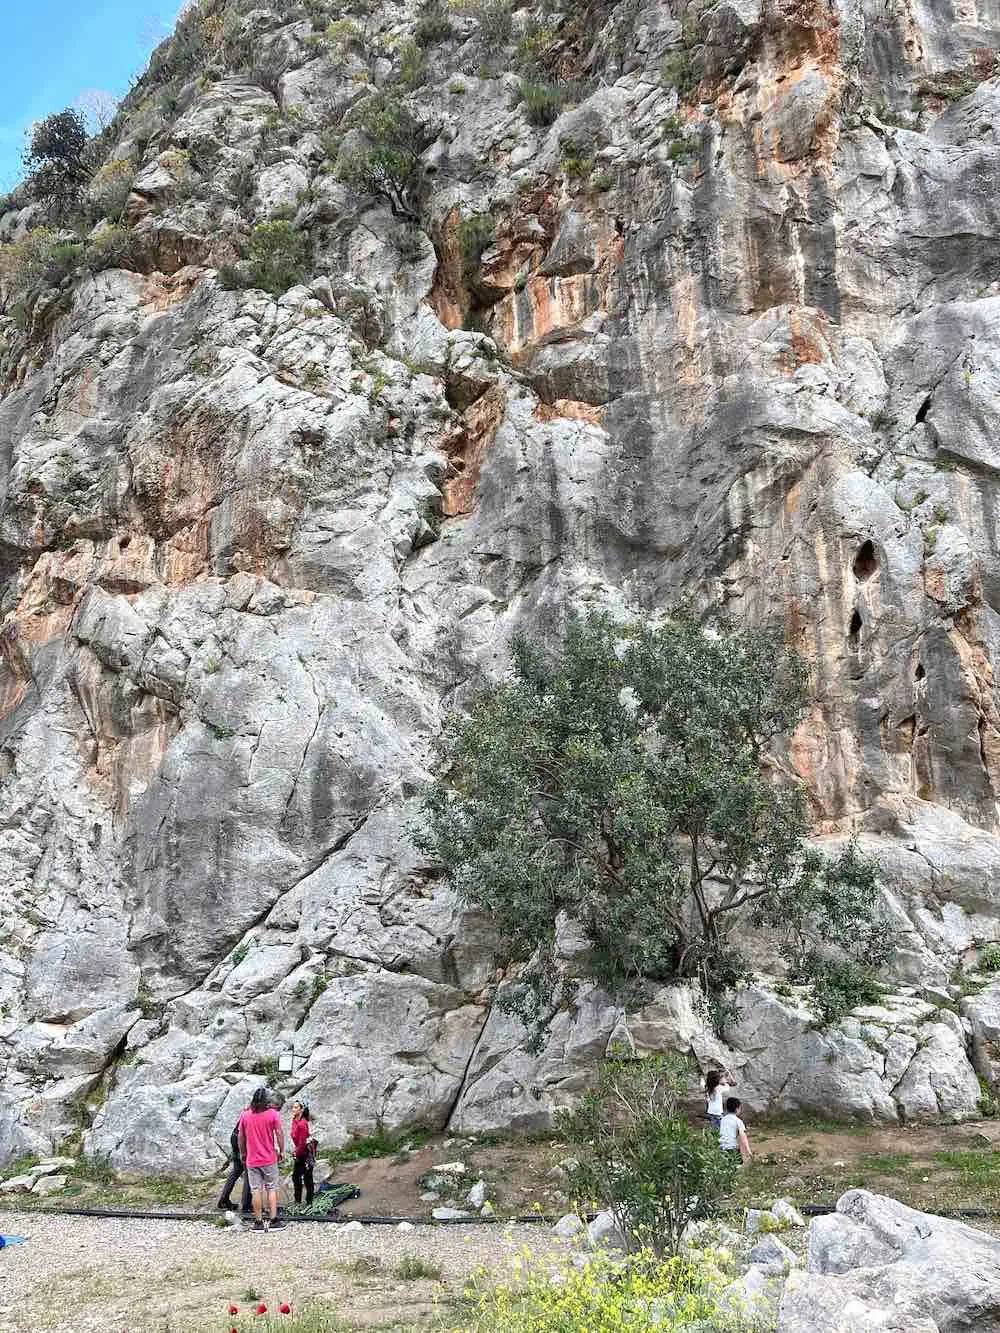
(260, 1226)
(276, 1224)
(224, 1206)
(266, 1224)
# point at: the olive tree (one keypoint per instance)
(629, 781)
(55, 159)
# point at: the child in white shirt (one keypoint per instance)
(717, 1088)
(733, 1132)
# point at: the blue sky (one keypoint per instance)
(53, 50)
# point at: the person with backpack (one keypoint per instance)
(261, 1142)
(304, 1146)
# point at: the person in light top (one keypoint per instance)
(733, 1132)
(718, 1087)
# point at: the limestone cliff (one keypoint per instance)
(710, 307)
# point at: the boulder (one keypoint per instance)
(17, 1185)
(939, 1082)
(752, 1296)
(605, 1233)
(449, 1214)
(50, 1166)
(761, 1219)
(983, 1012)
(46, 1185)
(875, 1257)
(568, 1226)
(773, 1256)
(787, 1213)
(476, 1196)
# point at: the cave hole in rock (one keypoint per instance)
(865, 562)
(923, 409)
(854, 632)
(123, 543)
(920, 673)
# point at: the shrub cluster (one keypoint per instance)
(605, 1295)
(109, 189)
(434, 25)
(276, 260)
(544, 102)
(388, 167)
(639, 1156)
(475, 236)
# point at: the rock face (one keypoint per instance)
(732, 332)
(876, 1264)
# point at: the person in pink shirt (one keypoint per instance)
(262, 1141)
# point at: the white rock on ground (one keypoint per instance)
(773, 1256)
(605, 1233)
(874, 1257)
(786, 1213)
(569, 1226)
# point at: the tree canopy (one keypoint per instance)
(627, 782)
(55, 159)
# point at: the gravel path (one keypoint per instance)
(83, 1275)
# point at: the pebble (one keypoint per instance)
(79, 1274)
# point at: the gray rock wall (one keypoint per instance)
(253, 549)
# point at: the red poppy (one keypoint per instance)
(285, 1308)
(262, 1308)
(234, 1309)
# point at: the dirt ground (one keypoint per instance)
(84, 1275)
(80, 1275)
(810, 1161)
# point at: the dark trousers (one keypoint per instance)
(302, 1173)
(235, 1171)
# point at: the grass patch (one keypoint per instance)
(980, 1167)
(411, 1268)
(885, 1162)
(19, 1166)
(379, 1144)
(365, 1265)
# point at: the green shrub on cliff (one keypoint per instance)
(277, 259)
(40, 259)
(624, 780)
(388, 165)
(543, 102)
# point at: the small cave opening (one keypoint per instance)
(865, 562)
(123, 543)
(920, 673)
(854, 632)
(923, 409)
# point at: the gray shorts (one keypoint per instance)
(263, 1177)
